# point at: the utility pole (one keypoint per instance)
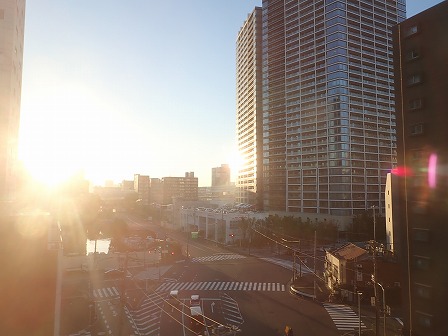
(294, 264)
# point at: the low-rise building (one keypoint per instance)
(349, 269)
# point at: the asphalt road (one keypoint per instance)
(246, 292)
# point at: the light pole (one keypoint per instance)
(359, 311)
(374, 273)
(384, 303)
(384, 309)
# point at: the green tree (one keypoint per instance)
(362, 226)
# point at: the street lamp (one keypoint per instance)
(384, 309)
(384, 303)
(374, 272)
(359, 311)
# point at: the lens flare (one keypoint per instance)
(402, 171)
(432, 171)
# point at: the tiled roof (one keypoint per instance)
(349, 252)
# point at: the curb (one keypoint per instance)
(296, 292)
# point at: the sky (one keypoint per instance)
(113, 88)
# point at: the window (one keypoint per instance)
(411, 30)
(423, 320)
(412, 55)
(415, 104)
(423, 291)
(417, 129)
(421, 235)
(421, 263)
(414, 79)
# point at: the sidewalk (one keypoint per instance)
(310, 286)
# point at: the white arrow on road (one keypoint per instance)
(212, 305)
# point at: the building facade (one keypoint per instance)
(185, 188)
(221, 176)
(249, 113)
(328, 104)
(12, 25)
(141, 187)
(421, 54)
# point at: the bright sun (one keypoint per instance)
(70, 134)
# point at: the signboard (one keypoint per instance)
(194, 235)
(358, 275)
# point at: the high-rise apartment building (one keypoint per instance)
(328, 123)
(249, 109)
(421, 75)
(12, 24)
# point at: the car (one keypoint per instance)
(174, 298)
(114, 273)
(195, 300)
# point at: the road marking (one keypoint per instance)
(223, 286)
(343, 317)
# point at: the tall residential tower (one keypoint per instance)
(12, 23)
(328, 104)
(249, 113)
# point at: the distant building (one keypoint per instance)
(249, 109)
(141, 186)
(12, 24)
(127, 185)
(222, 195)
(185, 188)
(221, 176)
(109, 183)
(156, 191)
(421, 99)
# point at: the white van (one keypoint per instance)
(195, 301)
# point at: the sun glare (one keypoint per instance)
(236, 162)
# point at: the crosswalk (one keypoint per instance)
(146, 319)
(231, 310)
(81, 333)
(343, 316)
(223, 286)
(218, 257)
(106, 292)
